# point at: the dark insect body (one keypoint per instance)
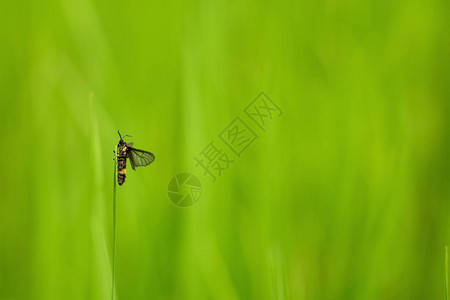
(137, 157)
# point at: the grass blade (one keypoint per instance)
(114, 230)
(446, 272)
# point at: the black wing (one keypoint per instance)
(139, 158)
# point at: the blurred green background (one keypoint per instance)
(346, 196)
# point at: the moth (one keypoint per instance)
(137, 157)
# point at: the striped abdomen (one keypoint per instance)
(122, 164)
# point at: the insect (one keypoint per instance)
(137, 157)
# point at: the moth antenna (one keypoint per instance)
(119, 134)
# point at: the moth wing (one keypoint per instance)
(140, 158)
(133, 165)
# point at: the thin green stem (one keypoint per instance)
(114, 230)
(446, 272)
